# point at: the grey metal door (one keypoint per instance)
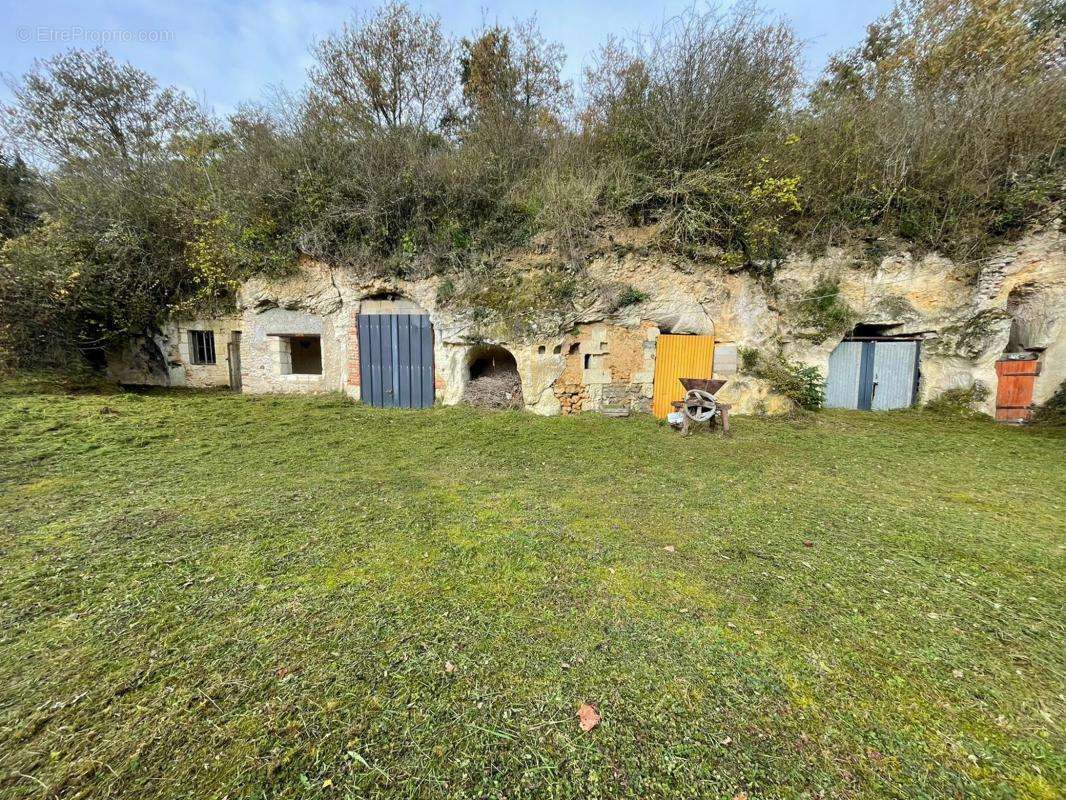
(396, 360)
(870, 375)
(894, 375)
(842, 382)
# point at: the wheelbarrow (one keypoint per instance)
(700, 405)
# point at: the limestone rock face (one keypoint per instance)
(747, 395)
(966, 316)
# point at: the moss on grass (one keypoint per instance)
(208, 595)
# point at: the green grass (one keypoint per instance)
(205, 595)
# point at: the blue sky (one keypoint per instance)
(226, 51)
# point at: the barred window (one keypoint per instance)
(202, 347)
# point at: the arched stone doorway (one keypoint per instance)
(395, 353)
(492, 378)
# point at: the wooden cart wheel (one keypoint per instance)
(699, 406)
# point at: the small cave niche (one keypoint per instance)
(493, 380)
(1031, 321)
(874, 330)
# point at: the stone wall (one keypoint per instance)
(166, 358)
(266, 362)
(965, 315)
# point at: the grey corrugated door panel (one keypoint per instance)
(403, 360)
(375, 362)
(388, 361)
(426, 361)
(418, 397)
(893, 375)
(365, 372)
(842, 382)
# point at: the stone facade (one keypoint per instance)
(965, 315)
(167, 358)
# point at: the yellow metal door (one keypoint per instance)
(678, 357)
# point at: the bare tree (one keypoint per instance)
(393, 69)
(83, 107)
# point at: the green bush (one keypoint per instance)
(960, 401)
(803, 385)
(624, 295)
(942, 128)
(823, 311)
(1053, 412)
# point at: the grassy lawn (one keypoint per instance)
(205, 595)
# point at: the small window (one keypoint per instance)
(574, 348)
(306, 355)
(202, 347)
(541, 350)
(557, 349)
(588, 360)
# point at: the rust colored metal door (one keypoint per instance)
(676, 357)
(1014, 395)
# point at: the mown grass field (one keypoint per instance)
(205, 595)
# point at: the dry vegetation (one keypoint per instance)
(413, 153)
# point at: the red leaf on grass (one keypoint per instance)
(588, 717)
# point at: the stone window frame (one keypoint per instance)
(283, 356)
(202, 347)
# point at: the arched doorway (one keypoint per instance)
(873, 370)
(395, 354)
(492, 379)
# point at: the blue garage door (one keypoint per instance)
(872, 375)
(396, 360)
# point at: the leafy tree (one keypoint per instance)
(944, 127)
(516, 74)
(120, 150)
(687, 112)
(392, 69)
(17, 206)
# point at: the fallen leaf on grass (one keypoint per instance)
(588, 717)
(449, 667)
(670, 548)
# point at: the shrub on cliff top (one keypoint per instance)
(960, 401)
(414, 153)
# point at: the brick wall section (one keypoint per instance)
(353, 349)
